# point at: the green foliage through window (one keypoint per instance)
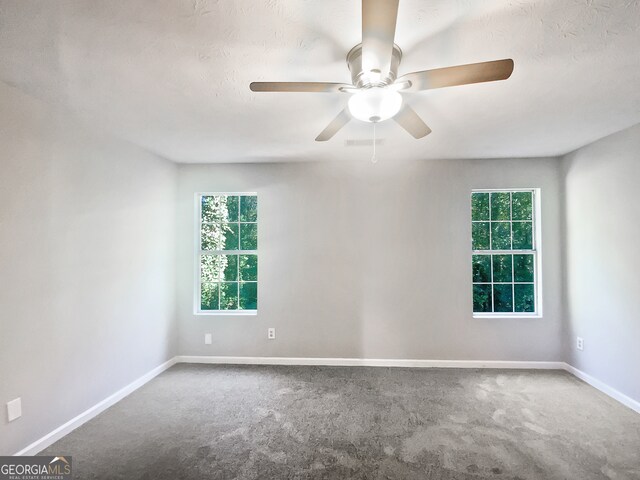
(504, 252)
(228, 257)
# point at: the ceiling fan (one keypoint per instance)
(375, 84)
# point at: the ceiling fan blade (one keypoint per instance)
(336, 124)
(408, 119)
(378, 31)
(316, 87)
(459, 75)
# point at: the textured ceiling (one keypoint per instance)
(173, 75)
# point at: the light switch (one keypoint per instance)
(14, 409)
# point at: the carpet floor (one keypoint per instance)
(282, 422)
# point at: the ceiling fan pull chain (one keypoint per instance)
(373, 157)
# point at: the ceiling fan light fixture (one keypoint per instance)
(375, 104)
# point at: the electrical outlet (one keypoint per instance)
(14, 409)
(271, 333)
(580, 343)
(207, 339)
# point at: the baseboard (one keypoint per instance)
(370, 362)
(604, 388)
(87, 415)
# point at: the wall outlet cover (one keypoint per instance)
(271, 333)
(208, 339)
(580, 343)
(14, 409)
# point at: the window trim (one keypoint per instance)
(537, 252)
(197, 252)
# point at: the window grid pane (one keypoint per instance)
(227, 260)
(510, 284)
(511, 231)
(493, 307)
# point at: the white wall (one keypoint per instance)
(602, 185)
(86, 266)
(371, 261)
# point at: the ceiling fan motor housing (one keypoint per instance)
(360, 78)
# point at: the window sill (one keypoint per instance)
(227, 313)
(512, 316)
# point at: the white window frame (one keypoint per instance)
(536, 251)
(199, 252)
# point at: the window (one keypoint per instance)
(505, 253)
(227, 263)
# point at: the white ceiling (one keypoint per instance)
(173, 75)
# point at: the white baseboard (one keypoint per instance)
(371, 362)
(604, 388)
(87, 415)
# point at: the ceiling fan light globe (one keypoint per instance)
(375, 104)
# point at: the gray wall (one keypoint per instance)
(602, 182)
(87, 267)
(371, 261)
